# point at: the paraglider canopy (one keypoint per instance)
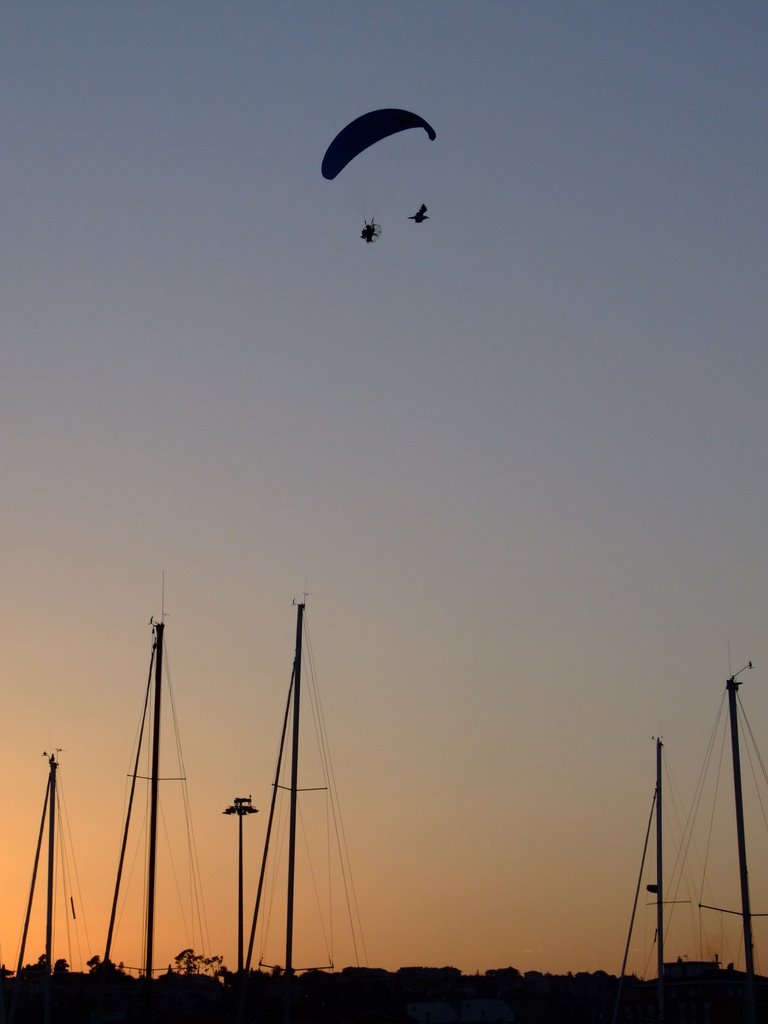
(366, 130)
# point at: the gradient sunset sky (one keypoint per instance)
(516, 455)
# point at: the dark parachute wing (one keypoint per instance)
(364, 132)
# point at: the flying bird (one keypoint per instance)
(420, 215)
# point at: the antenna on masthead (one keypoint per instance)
(732, 681)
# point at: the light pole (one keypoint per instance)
(240, 806)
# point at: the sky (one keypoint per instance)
(515, 456)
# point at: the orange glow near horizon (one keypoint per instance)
(500, 913)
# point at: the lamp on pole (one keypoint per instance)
(240, 806)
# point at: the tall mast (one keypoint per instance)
(51, 873)
(622, 975)
(659, 884)
(292, 819)
(732, 686)
(25, 929)
(265, 853)
(124, 843)
(151, 874)
(270, 821)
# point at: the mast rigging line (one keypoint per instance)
(65, 872)
(735, 727)
(25, 928)
(328, 944)
(199, 923)
(752, 753)
(163, 778)
(270, 820)
(188, 924)
(350, 893)
(687, 846)
(70, 875)
(194, 875)
(712, 813)
(711, 769)
(334, 818)
(127, 813)
(724, 910)
(751, 747)
(617, 1003)
(305, 789)
(273, 868)
(681, 865)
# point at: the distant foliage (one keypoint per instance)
(40, 966)
(98, 966)
(190, 962)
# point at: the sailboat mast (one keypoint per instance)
(151, 874)
(270, 821)
(732, 686)
(265, 853)
(51, 873)
(294, 795)
(659, 884)
(51, 858)
(124, 843)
